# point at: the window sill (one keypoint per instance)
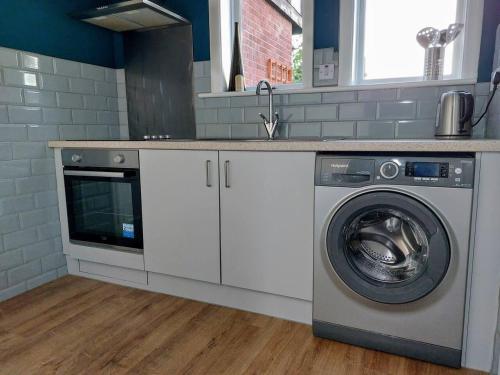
(378, 86)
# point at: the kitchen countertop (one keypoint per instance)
(414, 145)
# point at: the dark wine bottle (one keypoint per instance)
(236, 75)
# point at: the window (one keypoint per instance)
(271, 41)
(272, 34)
(381, 46)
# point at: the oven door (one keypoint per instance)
(104, 207)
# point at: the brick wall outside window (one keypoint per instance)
(265, 34)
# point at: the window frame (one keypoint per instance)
(218, 11)
(465, 66)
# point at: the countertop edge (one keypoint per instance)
(485, 145)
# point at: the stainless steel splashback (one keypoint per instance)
(158, 73)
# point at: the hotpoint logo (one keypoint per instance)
(333, 165)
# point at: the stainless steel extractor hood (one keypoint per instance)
(130, 15)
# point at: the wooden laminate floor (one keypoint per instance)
(80, 326)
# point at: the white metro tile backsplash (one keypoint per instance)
(53, 116)
(67, 68)
(24, 114)
(11, 95)
(41, 99)
(14, 77)
(396, 110)
(9, 57)
(81, 85)
(122, 103)
(36, 97)
(368, 114)
(37, 62)
(93, 72)
(54, 83)
(358, 111)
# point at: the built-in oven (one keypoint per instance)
(103, 198)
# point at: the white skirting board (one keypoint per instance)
(263, 303)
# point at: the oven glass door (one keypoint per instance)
(104, 206)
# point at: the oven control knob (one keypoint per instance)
(75, 158)
(119, 159)
(389, 170)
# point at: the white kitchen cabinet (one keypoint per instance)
(267, 201)
(180, 206)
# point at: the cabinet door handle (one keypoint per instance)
(209, 173)
(226, 173)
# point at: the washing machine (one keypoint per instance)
(391, 252)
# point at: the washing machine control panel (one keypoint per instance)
(362, 170)
(427, 169)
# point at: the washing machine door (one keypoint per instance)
(388, 247)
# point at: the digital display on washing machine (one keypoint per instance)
(426, 169)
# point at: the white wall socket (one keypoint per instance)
(492, 76)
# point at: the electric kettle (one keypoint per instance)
(454, 115)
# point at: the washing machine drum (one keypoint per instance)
(388, 247)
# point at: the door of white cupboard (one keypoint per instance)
(180, 208)
(267, 201)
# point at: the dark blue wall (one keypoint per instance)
(326, 23)
(195, 11)
(43, 26)
(490, 22)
